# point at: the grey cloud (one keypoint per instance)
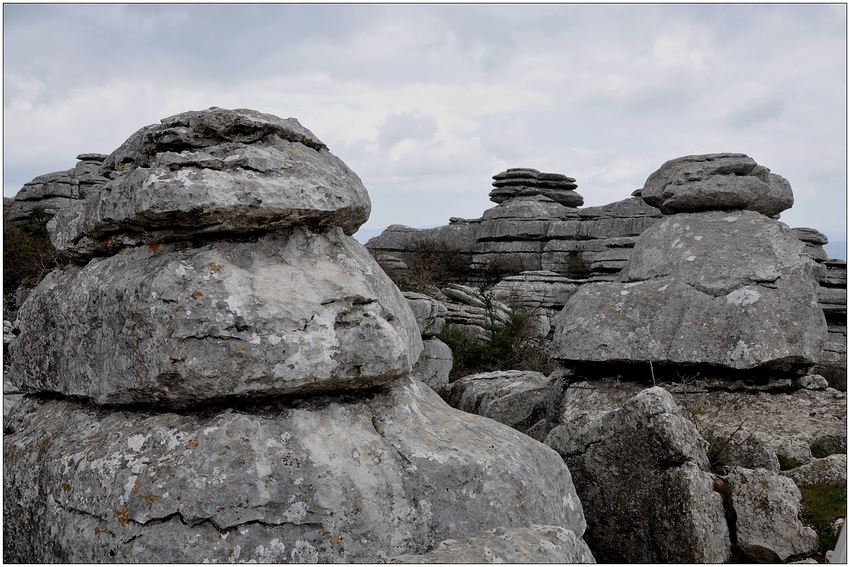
(756, 112)
(406, 126)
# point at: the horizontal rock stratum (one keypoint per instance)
(213, 171)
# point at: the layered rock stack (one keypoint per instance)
(527, 182)
(225, 375)
(54, 191)
(716, 283)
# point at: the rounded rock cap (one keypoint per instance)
(723, 181)
(212, 171)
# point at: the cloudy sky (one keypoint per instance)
(426, 102)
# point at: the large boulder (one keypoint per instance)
(213, 171)
(434, 364)
(767, 507)
(729, 289)
(295, 311)
(717, 181)
(345, 479)
(639, 471)
(523, 400)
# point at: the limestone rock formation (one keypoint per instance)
(522, 181)
(717, 181)
(213, 171)
(535, 544)
(52, 192)
(639, 473)
(293, 311)
(520, 399)
(230, 378)
(767, 507)
(730, 289)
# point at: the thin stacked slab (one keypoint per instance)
(523, 181)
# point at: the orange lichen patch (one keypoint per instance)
(154, 247)
(17, 516)
(324, 531)
(353, 539)
(107, 243)
(123, 515)
(240, 350)
(358, 510)
(215, 267)
(66, 487)
(96, 531)
(135, 490)
(193, 443)
(335, 540)
(224, 487)
(292, 152)
(197, 294)
(104, 490)
(232, 551)
(150, 498)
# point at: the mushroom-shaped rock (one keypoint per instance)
(213, 171)
(717, 182)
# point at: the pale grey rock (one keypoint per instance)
(430, 313)
(329, 479)
(213, 171)
(833, 300)
(536, 290)
(761, 429)
(639, 473)
(830, 471)
(584, 401)
(58, 184)
(293, 312)
(717, 182)
(465, 295)
(724, 288)
(517, 398)
(767, 507)
(534, 544)
(813, 382)
(810, 235)
(434, 364)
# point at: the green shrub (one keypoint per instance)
(28, 254)
(822, 505)
(511, 347)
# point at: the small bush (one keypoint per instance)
(28, 255)
(512, 347)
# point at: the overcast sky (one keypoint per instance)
(426, 102)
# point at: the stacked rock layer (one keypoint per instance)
(527, 182)
(729, 288)
(226, 375)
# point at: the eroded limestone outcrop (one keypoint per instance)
(725, 288)
(226, 375)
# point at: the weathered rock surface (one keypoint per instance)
(53, 192)
(717, 182)
(344, 480)
(434, 364)
(726, 289)
(517, 398)
(830, 471)
(767, 506)
(430, 314)
(523, 182)
(295, 311)
(535, 544)
(213, 171)
(639, 473)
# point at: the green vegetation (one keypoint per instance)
(511, 347)
(28, 255)
(822, 505)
